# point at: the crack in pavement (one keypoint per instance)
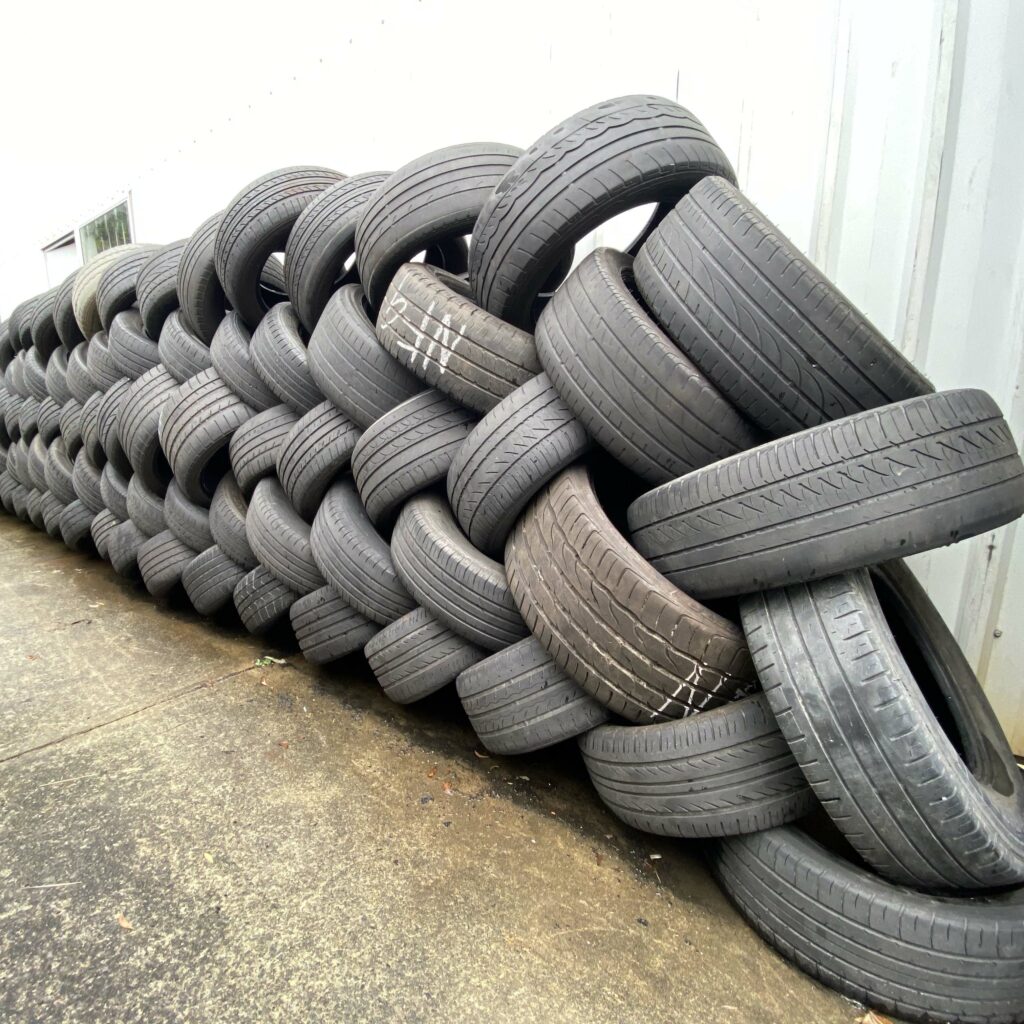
(181, 692)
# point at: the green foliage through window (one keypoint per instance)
(106, 231)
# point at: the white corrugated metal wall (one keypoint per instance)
(883, 137)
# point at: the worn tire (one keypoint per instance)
(262, 600)
(75, 524)
(278, 355)
(57, 377)
(64, 321)
(101, 367)
(188, 521)
(157, 287)
(627, 636)
(228, 511)
(523, 442)
(255, 445)
(452, 344)
(444, 572)
(195, 431)
(210, 580)
(123, 543)
(916, 956)
(108, 419)
(102, 525)
(770, 331)
(115, 291)
(48, 420)
(635, 393)
(418, 654)
(145, 507)
(45, 339)
(59, 472)
(355, 559)
(255, 225)
(182, 353)
(114, 491)
(322, 241)
(279, 537)
(161, 560)
(327, 627)
(87, 279)
(231, 356)
(131, 351)
(518, 700)
(408, 450)
(71, 426)
(86, 479)
(427, 202)
(139, 426)
(877, 700)
(349, 364)
(79, 380)
(52, 510)
(884, 483)
(611, 157)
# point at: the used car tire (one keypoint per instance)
(327, 627)
(139, 426)
(644, 649)
(279, 537)
(187, 520)
(231, 357)
(228, 510)
(278, 355)
(254, 446)
(131, 351)
(145, 507)
(157, 287)
(162, 559)
(75, 524)
(115, 290)
(881, 484)
(262, 600)
(182, 353)
(210, 580)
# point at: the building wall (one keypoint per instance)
(883, 138)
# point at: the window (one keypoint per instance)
(61, 258)
(105, 231)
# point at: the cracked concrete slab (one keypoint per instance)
(187, 835)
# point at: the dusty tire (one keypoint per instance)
(518, 700)
(57, 377)
(187, 520)
(254, 446)
(75, 523)
(123, 543)
(880, 741)
(523, 442)
(48, 420)
(262, 600)
(161, 560)
(139, 426)
(195, 431)
(918, 957)
(108, 419)
(157, 287)
(145, 507)
(232, 358)
(770, 331)
(52, 511)
(59, 472)
(115, 291)
(885, 483)
(182, 353)
(611, 157)
(86, 479)
(452, 344)
(228, 511)
(210, 580)
(279, 537)
(418, 654)
(71, 426)
(45, 339)
(628, 637)
(87, 279)
(408, 450)
(114, 491)
(315, 452)
(101, 367)
(349, 364)
(255, 225)
(79, 380)
(64, 321)
(444, 572)
(278, 355)
(355, 559)
(723, 772)
(322, 241)
(327, 628)
(131, 351)
(102, 525)
(635, 393)
(428, 202)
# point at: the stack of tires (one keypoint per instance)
(656, 500)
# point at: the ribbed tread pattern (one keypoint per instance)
(255, 445)
(262, 600)
(157, 287)
(279, 537)
(115, 291)
(761, 321)
(444, 572)
(349, 364)
(228, 511)
(888, 482)
(83, 292)
(57, 377)
(180, 351)
(114, 491)
(916, 956)
(407, 450)
(86, 479)
(75, 523)
(131, 351)
(613, 156)
(418, 654)
(327, 627)
(123, 543)
(231, 356)
(452, 344)
(628, 637)
(519, 700)
(355, 559)
(161, 560)
(102, 525)
(139, 424)
(278, 355)
(145, 507)
(210, 580)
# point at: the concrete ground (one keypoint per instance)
(188, 835)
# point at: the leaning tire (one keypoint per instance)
(254, 446)
(157, 286)
(918, 957)
(227, 522)
(262, 600)
(611, 157)
(210, 580)
(418, 654)
(519, 700)
(881, 743)
(139, 426)
(181, 352)
(628, 637)
(279, 536)
(771, 332)
(278, 355)
(885, 483)
(444, 572)
(161, 560)
(327, 627)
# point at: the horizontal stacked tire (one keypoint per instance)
(653, 503)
